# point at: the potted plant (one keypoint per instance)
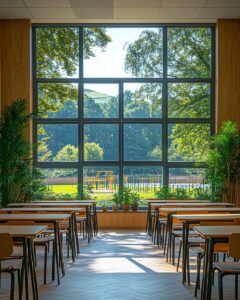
(135, 199)
(223, 164)
(125, 194)
(115, 202)
(19, 180)
(104, 206)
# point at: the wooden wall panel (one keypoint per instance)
(15, 53)
(228, 71)
(122, 220)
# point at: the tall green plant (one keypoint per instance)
(19, 182)
(223, 163)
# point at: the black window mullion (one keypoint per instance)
(121, 133)
(164, 111)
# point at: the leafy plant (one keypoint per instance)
(181, 193)
(164, 193)
(19, 181)
(223, 163)
(134, 198)
(85, 191)
(202, 194)
(104, 205)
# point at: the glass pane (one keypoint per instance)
(57, 52)
(101, 142)
(189, 52)
(189, 100)
(144, 180)
(57, 143)
(188, 142)
(186, 178)
(58, 100)
(142, 142)
(142, 100)
(101, 100)
(103, 180)
(123, 52)
(61, 183)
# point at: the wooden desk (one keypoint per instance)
(44, 218)
(26, 234)
(212, 235)
(188, 220)
(87, 205)
(73, 238)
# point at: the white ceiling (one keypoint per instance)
(119, 11)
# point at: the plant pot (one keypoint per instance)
(125, 207)
(115, 207)
(105, 209)
(134, 207)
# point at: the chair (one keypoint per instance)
(5, 252)
(229, 268)
(218, 249)
(39, 241)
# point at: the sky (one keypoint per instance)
(110, 63)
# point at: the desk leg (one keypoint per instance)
(76, 232)
(25, 269)
(72, 237)
(205, 268)
(32, 269)
(209, 269)
(88, 220)
(184, 254)
(56, 245)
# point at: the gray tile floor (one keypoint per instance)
(119, 265)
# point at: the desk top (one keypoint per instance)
(52, 204)
(34, 217)
(195, 204)
(65, 201)
(199, 209)
(216, 231)
(207, 217)
(41, 209)
(176, 201)
(22, 231)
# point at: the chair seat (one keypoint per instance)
(195, 241)
(43, 240)
(8, 264)
(179, 233)
(79, 219)
(227, 267)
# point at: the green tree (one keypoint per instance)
(93, 151)
(67, 153)
(189, 56)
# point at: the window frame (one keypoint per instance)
(164, 120)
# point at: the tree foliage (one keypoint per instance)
(18, 180)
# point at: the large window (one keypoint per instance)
(122, 106)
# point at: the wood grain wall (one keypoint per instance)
(122, 220)
(15, 61)
(227, 71)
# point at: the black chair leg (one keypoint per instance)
(45, 263)
(12, 285)
(19, 284)
(236, 286)
(179, 254)
(173, 250)
(220, 286)
(197, 286)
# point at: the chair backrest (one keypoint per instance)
(234, 245)
(218, 223)
(6, 243)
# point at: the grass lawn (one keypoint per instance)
(72, 190)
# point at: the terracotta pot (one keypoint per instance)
(125, 207)
(134, 207)
(115, 207)
(105, 209)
